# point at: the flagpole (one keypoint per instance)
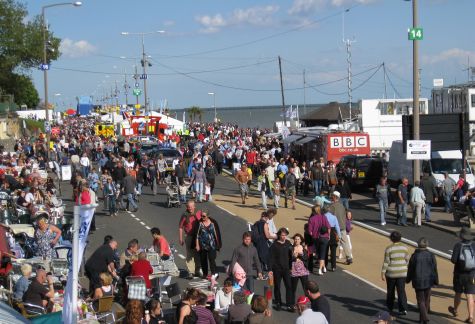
(75, 252)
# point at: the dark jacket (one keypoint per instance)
(129, 185)
(280, 255)
(459, 265)
(247, 258)
(344, 190)
(428, 187)
(422, 270)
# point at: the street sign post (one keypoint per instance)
(137, 92)
(416, 34)
(143, 77)
(418, 150)
(44, 67)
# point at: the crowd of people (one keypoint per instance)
(116, 172)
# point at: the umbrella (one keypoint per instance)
(71, 111)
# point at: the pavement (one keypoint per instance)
(355, 292)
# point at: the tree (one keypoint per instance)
(21, 49)
(194, 111)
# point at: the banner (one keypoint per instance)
(85, 218)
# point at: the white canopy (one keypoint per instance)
(171, 122)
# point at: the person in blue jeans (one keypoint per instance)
(129, 184)
(382, 194)
(402, 202)
(430, 192)
(448, 186)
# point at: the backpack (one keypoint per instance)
(467, 256)
(255, 233)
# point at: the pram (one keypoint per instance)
(173, 196)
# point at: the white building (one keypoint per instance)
(382, 119)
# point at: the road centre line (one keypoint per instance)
(142, 223)
(148, 227)
(224, 209)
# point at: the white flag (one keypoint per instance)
(85, 219)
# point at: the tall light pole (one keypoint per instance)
(214, 106)
(145, 63)
(45, 66)
(415, 85)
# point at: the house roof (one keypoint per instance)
(332, 111)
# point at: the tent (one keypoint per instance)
(71, 111)
(173, 123)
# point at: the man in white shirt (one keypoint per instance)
(307, 315)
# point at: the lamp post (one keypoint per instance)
(45, 66)
(144, 61)
(415, 86)
(214, 106)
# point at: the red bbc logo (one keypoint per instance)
(337, 142)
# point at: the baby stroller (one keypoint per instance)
(173, 196)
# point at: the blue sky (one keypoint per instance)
(231, 48)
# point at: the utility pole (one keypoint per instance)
(126, 89)
(348, 43)
(415, 87)
(116, 95)
(282, 92)
(136, 76)
(385, 88)
(304, 92)
(144, 76)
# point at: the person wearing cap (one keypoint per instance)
(307, 315)
(382, 318)
(422, 271)
(279, 263)
(394, 272)
(345, 192)
(337, 209)
(463, 280)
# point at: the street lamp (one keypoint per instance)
(415, 87)
(214, 106)
(144, 60)
(45, 66)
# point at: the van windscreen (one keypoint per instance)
(451, 166)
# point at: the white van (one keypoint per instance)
(440, 162)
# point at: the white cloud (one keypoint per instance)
(256, 16)
(304, 7)
(169, 23)
(457, 54)
(72, 49)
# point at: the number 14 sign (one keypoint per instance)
(415, 33)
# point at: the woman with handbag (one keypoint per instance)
(319, 229)
(299, 259)
(207, 244)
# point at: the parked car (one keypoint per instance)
(169, 154)
(361, 171)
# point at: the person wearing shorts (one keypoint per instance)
(464, 279)
(242, 177)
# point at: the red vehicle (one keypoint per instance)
(142, 125)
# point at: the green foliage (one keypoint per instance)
(195, 111)
(21, 49)
(34, 125)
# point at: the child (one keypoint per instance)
(276, 191)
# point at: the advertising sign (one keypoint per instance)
(341, 144)
(418, 150)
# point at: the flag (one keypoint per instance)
(85, 219)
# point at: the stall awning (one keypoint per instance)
(305, 140)
(291, 138)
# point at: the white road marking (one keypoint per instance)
(142, 223)
(371, 284)
(147, 227)
(181, 256)
(137, 219)
(224, 209)
(129, 211)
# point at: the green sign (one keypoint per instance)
(137, 92)
(416, 34)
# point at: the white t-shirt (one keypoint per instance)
(310, 317)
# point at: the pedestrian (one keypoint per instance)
(262, 239)
(265, 187)
(394, 272)
(279, 263)
(448, 186)
(276, 192)
(290, 184)
(422, 272)
(129, 184)
(417, 202)
(207, 244)
(319, 229)
(428, 186)
(383, 193)
(186, 229)
(242, 177)
(331, 177)
(463, 258)
(306, 314)
(110, 195)
(345, 192)
(318, 301)
(402, 195)
(160, 244)
(337, 209)
(316, 173)
(335, 234)
(246, 256)
(299, 271)
(199, 180)
(383, 318)
(211, 173)
(102, 260)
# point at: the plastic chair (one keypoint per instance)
(104, 308)
(63, 252)
(136, 288)
(30, 310)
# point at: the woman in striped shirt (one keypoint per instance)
(394, 272)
